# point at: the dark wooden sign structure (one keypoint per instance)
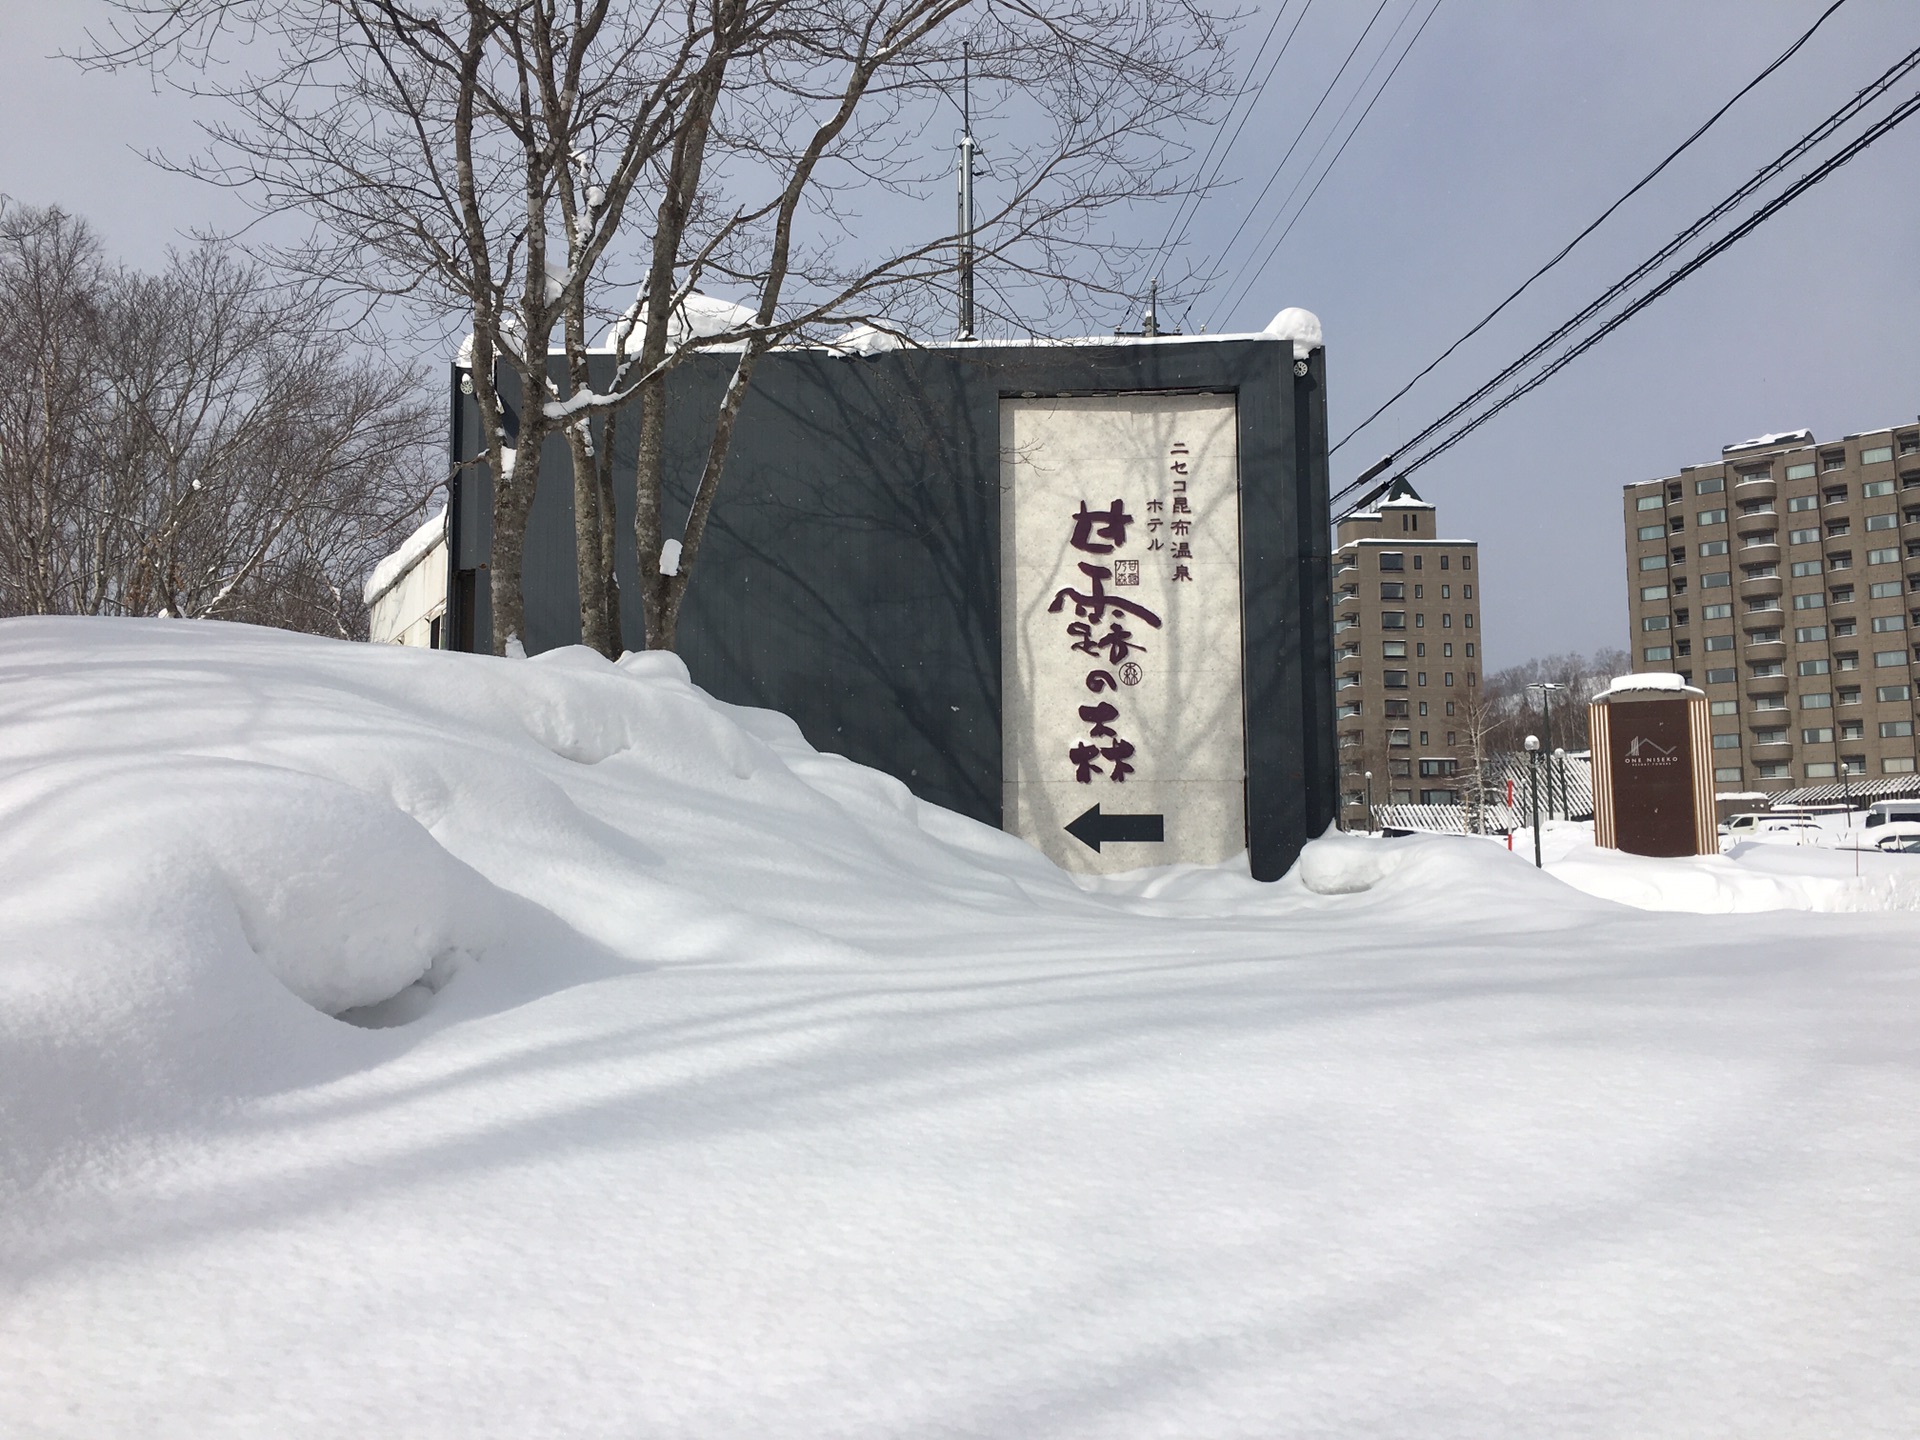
(1652, 773)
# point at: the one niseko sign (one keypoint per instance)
(1124, 732)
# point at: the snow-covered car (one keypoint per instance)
(1777, 830)
(1898, 837)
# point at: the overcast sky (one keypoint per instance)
(1511, 125)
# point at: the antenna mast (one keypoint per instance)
(965, 287)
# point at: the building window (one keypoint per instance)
(1803, 537)
(1392, 560)
(1883, 659)
(1721, 677)
(1883, 557)
(1818, 735)
(1897, 765)
(1419, 619)
(1807, 634)
(1803, 502)
(1421, 676)
(1888, 521)
(1446, 650)
(1819, 700)
(1891, 729)
(1770, 702)
(1815, 601)
(1842, 629)
(1726, 742)
(1657, 652)
(1773, 770)
(1393, 649)
(1725, 612)
(1723, 707)
(1777, 736)
(1417, 562)
(1909, 444)
(1715, 581)
(1399, 738)
(1887, 624)
(1767, 670)
(1394, 679)
(1469, 646)
(1393, 619)
(1434, 766)
(1765, 637)
(1727, 774)
(1877, 455)
(1420, 649)
(1883, 589)
(1446, 591)
(1843, 594)
(1719, 642)
(1711, 517)
(1835, 494)
(1712, 485)
(1419, 591)
(1446, 621)
(1449, 679)
(1423, 712)
(1466, 562)
(1874, 489)
(1888, 693)
(1853, 730)
(1682, 647)
(1803, 568)
(1833, 460)
(1393, 590)
(1821, 770)
(1849, 694)
(1853, 764)
(1467, 620)
(1800, 472)
(1443, 561)
(1466, 592)
(1839, 527)
(1839, 559)
(1712, 547)
(1813, 667)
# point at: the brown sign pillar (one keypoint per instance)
(1653, 768)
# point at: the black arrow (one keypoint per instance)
(1093, 827)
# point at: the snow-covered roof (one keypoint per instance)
(392, 570)
(1650, 681)
(1761, 442)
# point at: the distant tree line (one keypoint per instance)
(194, 443)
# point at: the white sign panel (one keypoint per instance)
(1124, 733)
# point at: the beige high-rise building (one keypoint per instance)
(1406, 644)
(1784, 579)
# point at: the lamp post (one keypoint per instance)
(1533, 789)
(1369, 802)
(1560, 765)
(1546, 689)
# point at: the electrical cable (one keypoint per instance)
(1253, 273)
(1877, 132)
(1773, 168)
(1567, 250)
(1199, 192)
(1272, 179)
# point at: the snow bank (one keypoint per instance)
(724, 1088)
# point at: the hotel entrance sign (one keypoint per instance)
(1123, 724)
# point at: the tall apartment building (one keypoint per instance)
(1784, 579)
(1406, 642)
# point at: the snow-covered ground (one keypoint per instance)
(741, 1094)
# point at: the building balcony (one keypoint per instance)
(1763, 684)
(1770, 618)
(1756, 552)
(1755, 586)
(1756, 523)
(1764, 650)
(1759, 487)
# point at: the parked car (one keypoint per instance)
(1887, 812)
(1771, 824)
(1898, 837)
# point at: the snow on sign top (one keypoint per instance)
(1300, 326)
(1652, 680)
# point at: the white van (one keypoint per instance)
(1741, 826)
(1881, 811)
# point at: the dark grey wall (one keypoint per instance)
(850, 573)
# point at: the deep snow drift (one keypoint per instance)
(738, 1093)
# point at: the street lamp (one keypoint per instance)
(1369, 802)
(1560, 764)
(1533, 789)
(1546, 689)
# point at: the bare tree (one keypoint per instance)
(192, 443)
(486, 155)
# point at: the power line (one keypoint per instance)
(1254, 272)
(1567, 250)
(1200, 191)
(1906, 111)
(1227, 249)
(1825, 129)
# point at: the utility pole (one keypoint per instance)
(965, 286)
